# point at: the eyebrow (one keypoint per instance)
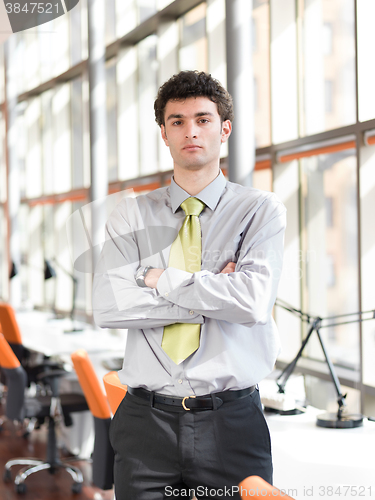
(201, 113)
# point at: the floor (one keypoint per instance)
(42, 485)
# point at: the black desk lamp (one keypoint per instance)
(13, 271)
(341, 419)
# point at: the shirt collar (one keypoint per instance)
(210, 195)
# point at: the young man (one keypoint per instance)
(201, 334)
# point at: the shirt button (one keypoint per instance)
(191, 312)
(167, 294)
(180, 381)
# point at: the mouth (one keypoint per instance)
(191, 147)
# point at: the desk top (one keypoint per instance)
(42, 334)
(309, 460)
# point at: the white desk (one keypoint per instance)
(308, 459)
(46, 336)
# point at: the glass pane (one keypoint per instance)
(47, 141)
(193, 51)
(146, 8)
(77, 133)
(261, 66)
(112, 120)
(366, 69)
(328, 51)
(33, 149)
(367, 191)
(45, 42)
(284, 91)
(62, 154)
(147, 90)
(126, 15)
(329, 242)
(75, 24)
(110, 21)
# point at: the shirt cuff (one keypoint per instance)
(172, 278)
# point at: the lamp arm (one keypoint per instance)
(288, 370)
(341, 397)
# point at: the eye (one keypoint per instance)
(178, 122)
(203, 120)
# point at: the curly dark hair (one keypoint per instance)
(193, 84)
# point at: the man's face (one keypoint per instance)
(194, 133)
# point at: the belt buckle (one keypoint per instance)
(183, 402)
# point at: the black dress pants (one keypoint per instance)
(161, 454)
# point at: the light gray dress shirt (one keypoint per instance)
(239, 340)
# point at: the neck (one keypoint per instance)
(193, 181)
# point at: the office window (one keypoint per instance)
(45, 43)
(328, 66)
(77, 133)
(126, 15)
(47, 141)
(329, 212)
(62, 140)
(330, 279)
(193, 47)
(21, 151)
(367, 207)
(110, 21)
(111, 120)
(147, 89)
(76, 33)
(146, 8)
(284, 77)
(366, 69)
(330, 273)
(33, 163)
(327, 33)
(60, 44)
(328, 96)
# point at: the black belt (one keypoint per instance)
(195, 403)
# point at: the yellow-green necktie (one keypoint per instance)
(182, 339)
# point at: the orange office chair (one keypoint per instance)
(114, 389)
(10, 330)
(103, 456)
(31, 362)
(256, 487)
(40, 408)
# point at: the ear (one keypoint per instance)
(164, 135)
(226, 130)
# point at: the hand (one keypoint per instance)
(229, 268)
(152, 277)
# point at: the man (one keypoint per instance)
(201, 334)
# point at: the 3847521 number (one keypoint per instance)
(31, 7)
(345, 491)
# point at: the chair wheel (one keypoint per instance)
(21, 488)
(76, 487)
(7, 476)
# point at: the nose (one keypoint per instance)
(191, 131)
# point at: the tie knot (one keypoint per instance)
(192, 206)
